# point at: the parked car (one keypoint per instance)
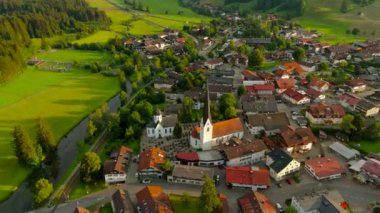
(279, 207)
(146, 181)
(288, 181)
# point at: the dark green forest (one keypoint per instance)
(21, 20)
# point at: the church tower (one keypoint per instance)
(206, 124)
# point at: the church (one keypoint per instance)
(209, 134)
(161, 126)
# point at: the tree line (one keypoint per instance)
(22, 20)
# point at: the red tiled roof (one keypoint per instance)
(313, 93)
(248, 74)
(318, 83)
(293, 94)
(222, 128)
(325, 166)
(285, 83)
(255, 202)
(349, 99)
(152, 199)
(372, 166)
(215, 61)
(187, 156)
(117, 165)
(247, 175)
(355, 82)
(321, 110)
(292, 136)
(255, 88)
(294, 67)
(153, 157)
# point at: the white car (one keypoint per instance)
(279, 207)
(146, 181)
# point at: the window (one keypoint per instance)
(165, 130)
(208, 129)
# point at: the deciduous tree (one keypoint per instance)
(347, 125)
(256, 58)
(27, 152)
(41, 191)
(45, 137)
(209, 200)
(90, 166)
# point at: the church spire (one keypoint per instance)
(206, 109)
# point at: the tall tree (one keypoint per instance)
(256, 58)
(299, 54)
(90, 166)
(347, 125)
(227, 105)
(168, 166)
(45, 137)
(27, 152)
(344, 6)
(372, 132)
(91, 128)
(41, 191)
(178, 129)
(209, 200)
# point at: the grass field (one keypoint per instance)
(81, 189)
(74, 55)
(63, 99)
(369, 146)
(178, 205)
(102, 36)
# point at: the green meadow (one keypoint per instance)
(62, 99)
(68, 55)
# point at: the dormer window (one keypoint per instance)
(208, 129)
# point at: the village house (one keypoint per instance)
(284, 84)
(281, 164)
(241, 153)
(367, 108)
(247, 177)
(210, 134)
(356, 85)
(319, 48)
(319, 85)
(192, 67)
(257, 106)
(324, 168)
(207, 43)
(201, 158)
(237, 59)
(121, 202)
(220, 80)
(293, 68)
(161, 126)
(315, 95)
(308, 66)
(115, 168)
(269, 123)
(152, 199)
(260, 89)
(198, 97)
(320, 201)
(213, 63)
(254, 201)
(297, 139)
(163, 83)
(339, 52)
(251, 78)
(220, 90)
(372, 169)
(150, 163)
(325, 114)
(295, 97)
(348, 100)
(282, 55)
(189, 174)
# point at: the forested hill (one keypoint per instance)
(21, 20)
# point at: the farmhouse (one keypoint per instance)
(237, 59)
(253, 106)
(269, 123)
(254, 201)
(295, 97)
(261, 89)
(367, 108)
(152, 199)
(295, 139)
(189, 174)
(163, 83)
(115, 169)
(321, 201)
(281, 164)
(284, 84)
(324, 114)
(150, 163)
(247, 177)
(251, 78)
(210, 134)
(121, 202)
(161, 126)
(319, 85)
(356, 85)
(324, 168)
(213, 63)
(238, 153)
(372, 168)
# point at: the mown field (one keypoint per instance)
(63, 99)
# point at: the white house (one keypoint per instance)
(161, 126)
(281, 164)
(115, 168)
(247, 177)
(320, 201)
(213, 63)
(295, 97)
(356, 85)
(209, 134)
(324, 168)
(244, 153)
(189, 174)
(319, 85)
